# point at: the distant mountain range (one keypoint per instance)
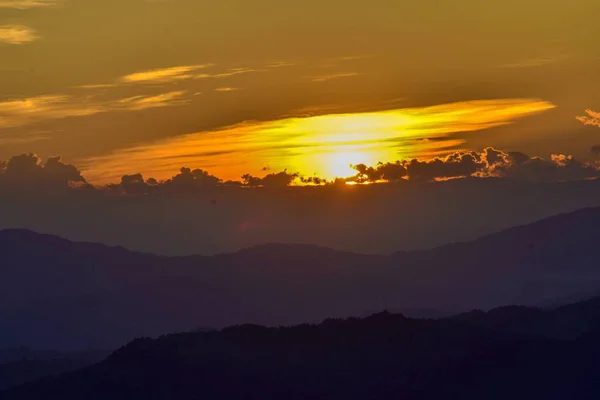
(21, 365)
(512, 352)
(65, 295)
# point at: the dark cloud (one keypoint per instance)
(187, 181)
(595, 149)
(195, 179)
(313, 180)
(277, 180)
(489, 163)
(133, 184)
(559, 168)
(27, 171)
(383, 171)
(459, 164)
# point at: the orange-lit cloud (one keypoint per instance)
(163, 75)
(26, 111)
(226, 89)
(17, 34)
(323, 145)
(183, 73)
(228, 73)
(97, 86)
(592, 118)
(173, 74)
(26, 4)
(325, 78)
(146, 102)
(535, 62)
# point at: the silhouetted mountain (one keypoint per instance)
(419, 313)
(18, 366)
(26, 354)
(384, 356)
(566, 322)
(65, 295)
(570, 299)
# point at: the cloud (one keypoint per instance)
(179, 73)
(163, 75)
(14, 113)
(275, 180)
(26, 4)
(227, 74)
(171, 75)
(97, 86)
(17, 34)
(592, 118)
(489, 163)
(226, 89)
(187, 181)
(326, 78)
(27, 172)
(197, 180)
(29, 110)
(534, 62)
(280, 64)
(146, 102)
(25, 139)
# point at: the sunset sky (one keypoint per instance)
(243, 86)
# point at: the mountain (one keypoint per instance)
(22, 365)
(65, 295)
(566, 322)
(384, 356)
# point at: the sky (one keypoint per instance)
(248, 86)
(199, 127)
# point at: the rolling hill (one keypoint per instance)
(383, 356)
(66, 295)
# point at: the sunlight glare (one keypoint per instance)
(324, 146)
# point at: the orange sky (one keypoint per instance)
(239, 85)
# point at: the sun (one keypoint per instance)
(339, 164)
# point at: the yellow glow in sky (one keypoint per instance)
(324, 146)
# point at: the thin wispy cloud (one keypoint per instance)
(534, 62)
(226, 89)
(280, 64)
(163, 75)
(17, 34)
(228, 73)
(21, 112)
(26, 4)
(147, 102)
(352, 58)
(326, 78)
(97, 86)
(171, 75)
(20, 140)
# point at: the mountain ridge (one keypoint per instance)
(379, 356)
(83, 287)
